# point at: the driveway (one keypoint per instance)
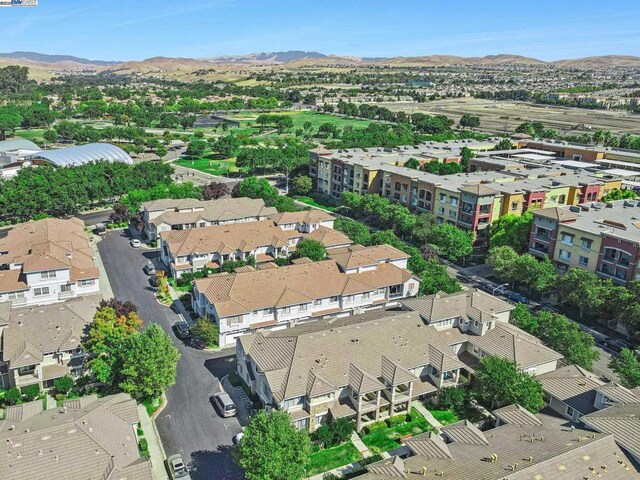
(188, 424)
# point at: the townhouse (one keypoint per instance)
(47, 261)
(371, 366)
(181, 214)
(40, 344)
(87, 437)
(603, 238)
(521, 446)
(609, 408)
(272, 297)
(191, 250)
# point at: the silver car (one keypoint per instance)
(223, 404)
(177, 468)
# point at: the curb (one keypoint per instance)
(162, 406)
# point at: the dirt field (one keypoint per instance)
(501, 116)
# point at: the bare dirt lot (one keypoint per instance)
(505, 116)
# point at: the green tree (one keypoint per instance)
(302, 185)
(227, 145)
(503, 260)
(423, 228)
(356, 231)
(466, 154)
(581, 289)
(504, 144)
(254, 187)
(8, 122)
(435, 278)
(499, 382)
(196, 148)
(207, 331)
(63, 385)
(469, 121)
(627, 366)
(537, 275)
(617, 194)
(147, 363)
(311, 249)
(412, 163)
(512, 230)
(30, 392)
(452, 242)
(51, 136)
(565, 337)
(272, 448)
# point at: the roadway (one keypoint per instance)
(188, 425)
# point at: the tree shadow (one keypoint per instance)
(218, 464)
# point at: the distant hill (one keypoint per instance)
(602, 61)
(158, 65)
(44, 58)
(266, 57)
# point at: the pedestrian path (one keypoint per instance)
(105, 286)
(359, 444)
(156, 450)
(426, 414)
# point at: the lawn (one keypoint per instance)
(30, 134)
(380, 437)
(330, 458)
(313, 203)
(209, 165)
(445, 417)
(183, 288)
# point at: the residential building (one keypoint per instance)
(40, 344)
(87, 437)
(476, 325)
(181, 214)
(47, 261)
(281, 297)
(603, 238)
(521, 446)
(366, 367)
(187, 251)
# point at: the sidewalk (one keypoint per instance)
(359, 444)
(105, 286)
(156, 450)
(241, 400)
(426, 414)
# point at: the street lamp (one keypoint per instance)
(493, 292)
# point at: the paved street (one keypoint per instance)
(188, 424)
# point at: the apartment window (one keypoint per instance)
(317, 302)
(567, 239)
(49, 274)
(443, 198)
(421, 194)
(570, 411)
(286, 310)
(15, 295)
(452, 214)
(554, 199)
(333, 299)
(562, 199)
(380, 291)
(365, 296)
(267, 311)
(441, 210)
(514, 205)
(454, 202)
(65, 288)
(40, 291)
(234, 320)
(396, 186)
(564, 255)
(321, 418)
(86, 283)
(586, 243)
(584, 261)
(293, 403)
(348, 299)
(303, 307)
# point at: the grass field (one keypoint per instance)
(30, 134)
(445, 417)
(299, 119)
(330, 458)
(380, 437)
(210, 165)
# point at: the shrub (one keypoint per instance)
(324, 435)
(30, 392)
(12, 397)
(397, 420)
(207, 331)
(63, 385)
(342, 429)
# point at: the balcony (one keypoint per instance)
(542, 237)
(19, 301)
(539, 249)
(65, 295)
(25, 379)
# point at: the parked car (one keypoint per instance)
(177, 468)
(100, 229)
(223, 404)
(135, 243)
(182, 329)
(149, 269)
(617, 344)
(516, 297)
(154, 282)
(237, 438)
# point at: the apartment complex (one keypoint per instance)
(501, 183)
(191, 250)
(371, 366)
(521, 446)
(603, 238)
(182, 214)
(273, 298)
(47, 261)
(581, 396)
(40, 344)
(88, 437)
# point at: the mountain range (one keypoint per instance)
(293, 58)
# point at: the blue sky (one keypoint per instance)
(138, 29)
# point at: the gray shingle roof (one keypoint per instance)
(573, 386)
(622, 420)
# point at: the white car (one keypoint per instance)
(237, 438)
(135, 243)
(177, 468)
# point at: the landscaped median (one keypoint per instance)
(386, 435)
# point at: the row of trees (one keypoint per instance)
(65, 191)
(578, 289)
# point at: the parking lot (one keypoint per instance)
(188, 425)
